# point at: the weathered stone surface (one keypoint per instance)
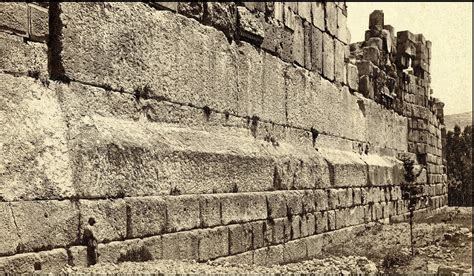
(276, 204)
(243, 258)
(210, 210)
(214, 243)
(352, 76)
(9, 239)
(317, 11)
(46, 224)
(153, 247)
(182, 213)
(316, 48)
(121, 251)
(42, 262)
(243, 207)
(39, 22)
(274, 92)
(240, 238)
(251, 25)
(18, 57)
(185, 46)
(191, 9)
(181, 246)
(222, 15)
(145, 216)
(269, 255)
(251, 68)
(331, 17)
(78, 256)
(314, 245)
(110, 217)
(35, 162)
(294, 251)
(328, 56)
(298, 42)
(14, 17)
(347, 168)
(339, 64)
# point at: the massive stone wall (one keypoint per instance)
(202, 130)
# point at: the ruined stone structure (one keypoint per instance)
(249, 132)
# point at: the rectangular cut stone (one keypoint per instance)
(120, 251)
(46, 223)
(317, 11)
(342, 30)
(193, 66)
(14, 17)
(352, 76)
(331, 18)
(110, 217)
(328, 56)
(213, 243)
(316, 49)
(210, 210)
(307, 44)
(243, 207)
(48, 262)
(298, 42)
(153, 247)
(274, 90)
(321, 222)
(348, 168)
(182, 213)
(269, 255)
(304, 10)
(276, 202)
(314, 245)
(181, 246)
(28, 58)
(9, 239)
(294, 251)
(321, 200)
(39, 22)
(240, 238)
(146, 216)
(258, 234)
(339, 65)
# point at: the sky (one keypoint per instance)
(447, 25)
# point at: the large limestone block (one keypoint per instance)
(110, 217)
(35, 161)
(346, 168)
(14, 17)
(383, 170)
(18, 57)
(46, 223)
(157, 52)
(9, 239)
(251, 68)
(243, 207)
(145, 216)
(42, 262)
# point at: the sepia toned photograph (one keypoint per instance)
(236, 137)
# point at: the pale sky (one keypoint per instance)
(447, 25)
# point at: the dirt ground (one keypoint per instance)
(443, 245)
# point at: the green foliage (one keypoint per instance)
(458, 151)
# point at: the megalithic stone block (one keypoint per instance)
(376, 20)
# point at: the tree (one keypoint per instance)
(458, 151)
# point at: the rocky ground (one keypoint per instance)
(443, 244)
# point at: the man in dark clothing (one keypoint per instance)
(90, 240)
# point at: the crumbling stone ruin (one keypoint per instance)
(248, 132)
